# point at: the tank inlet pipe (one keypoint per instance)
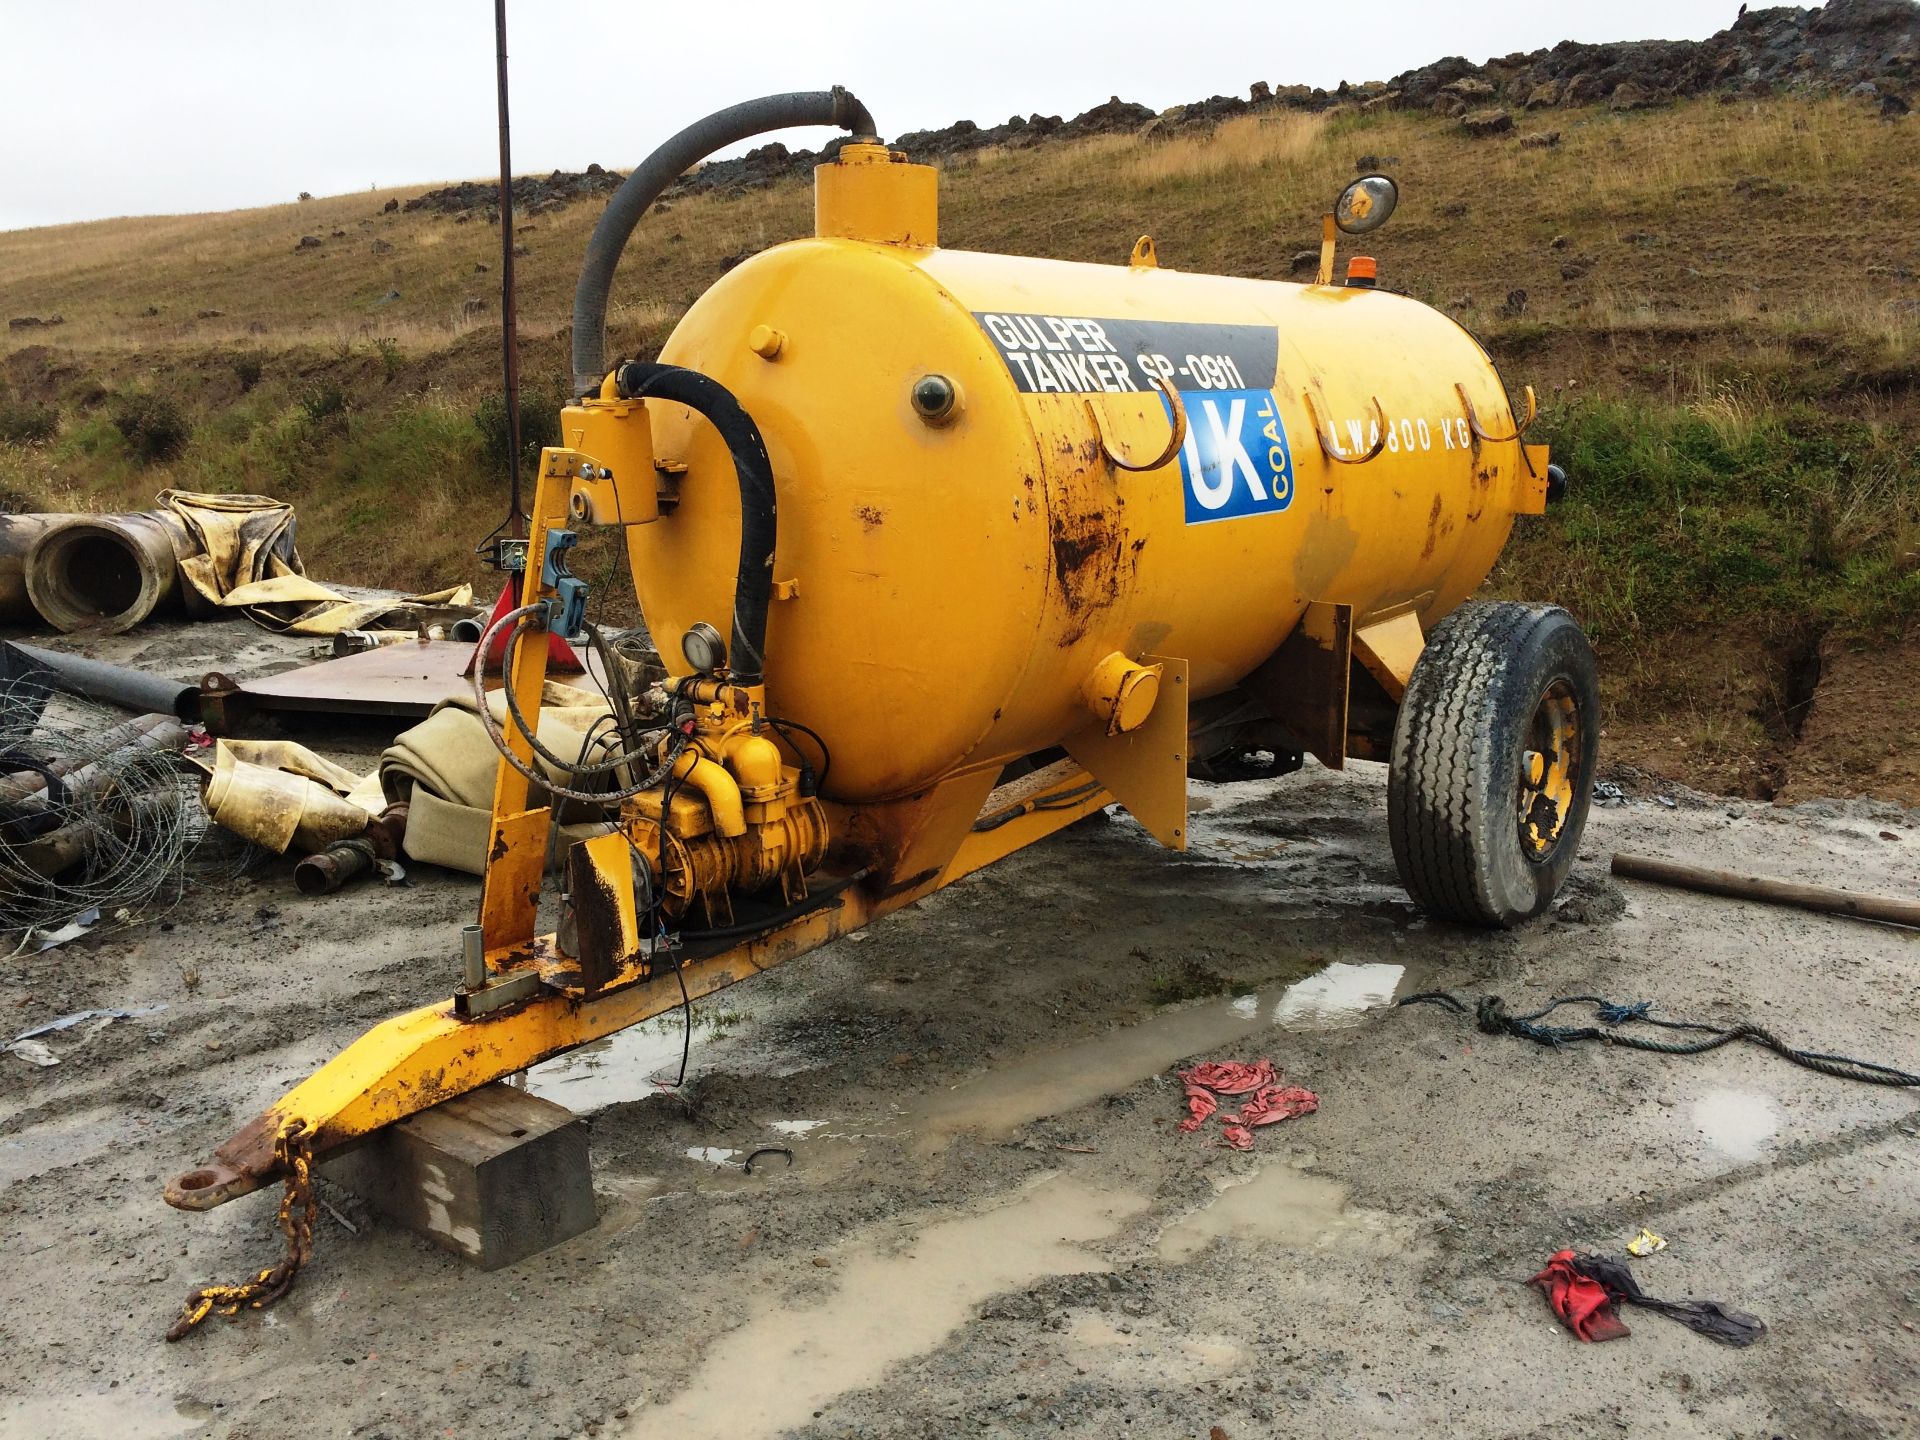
(753, 585)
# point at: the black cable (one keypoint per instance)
(826, 755)
(1491, 1015)
(1065, 800)
(686, 1020)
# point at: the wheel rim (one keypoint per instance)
(1550, 776)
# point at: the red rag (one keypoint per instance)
(1238, 1137)
(1230, 1077)
(1582, 1304)
(1200, 1105)
(1271, 1104)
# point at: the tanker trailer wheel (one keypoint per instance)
(1493, 758)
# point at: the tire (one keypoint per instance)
(1493, 762)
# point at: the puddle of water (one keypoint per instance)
(1338, 995)
(620, 1068)
(1251, 854)
(1284, 1206)
(713, 1154)
(771, 1373)
(795, 1127)
(118, 1416)
(1057, 1080)
(1154, 1344)
(1740, 1124)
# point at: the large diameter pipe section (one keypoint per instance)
(104, 573)
(17, 536)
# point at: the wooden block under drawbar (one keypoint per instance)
(494, 1175)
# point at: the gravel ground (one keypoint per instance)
(991, 1225)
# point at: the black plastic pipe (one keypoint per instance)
(659, 170)
(114, 684)
(753, 585)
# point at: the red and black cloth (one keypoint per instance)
(1585, 1291)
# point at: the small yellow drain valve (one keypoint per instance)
(1121, 692)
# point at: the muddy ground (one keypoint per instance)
(991, 1225)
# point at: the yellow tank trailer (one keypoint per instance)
(946, 551)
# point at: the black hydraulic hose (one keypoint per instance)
(659, 170)
(753, 586)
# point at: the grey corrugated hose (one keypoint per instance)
(659, 170)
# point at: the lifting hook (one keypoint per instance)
(1473, 419)
(1174, 441)
(1329, 445)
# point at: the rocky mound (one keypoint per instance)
(1869, 48)
(532, 194)
(1866, 47)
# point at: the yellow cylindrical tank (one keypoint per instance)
(948, 580)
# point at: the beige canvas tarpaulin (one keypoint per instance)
(236, 539)
(445, 768)
(240, 555)
(283, 796)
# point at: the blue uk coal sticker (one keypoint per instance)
(1235, 460)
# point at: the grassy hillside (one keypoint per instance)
(1720, 313)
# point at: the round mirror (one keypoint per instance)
(1365, 204)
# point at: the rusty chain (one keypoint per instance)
(294, 1150)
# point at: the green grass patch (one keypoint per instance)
(1683, 514)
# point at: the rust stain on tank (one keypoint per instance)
(871, 517)
(1482, 488)
(1091, 563)
(1433, 529)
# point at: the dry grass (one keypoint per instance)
(105, 277)
(1288, 141)
(1698, 218)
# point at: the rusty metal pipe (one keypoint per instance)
(25, 793)
(326, 872)
(136, 733)
(1889, 909)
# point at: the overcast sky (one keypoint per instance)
(138, 107)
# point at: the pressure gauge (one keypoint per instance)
(703, 647)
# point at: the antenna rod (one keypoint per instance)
(516, 525)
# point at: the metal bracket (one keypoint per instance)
(567, 611)
(509, 989)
